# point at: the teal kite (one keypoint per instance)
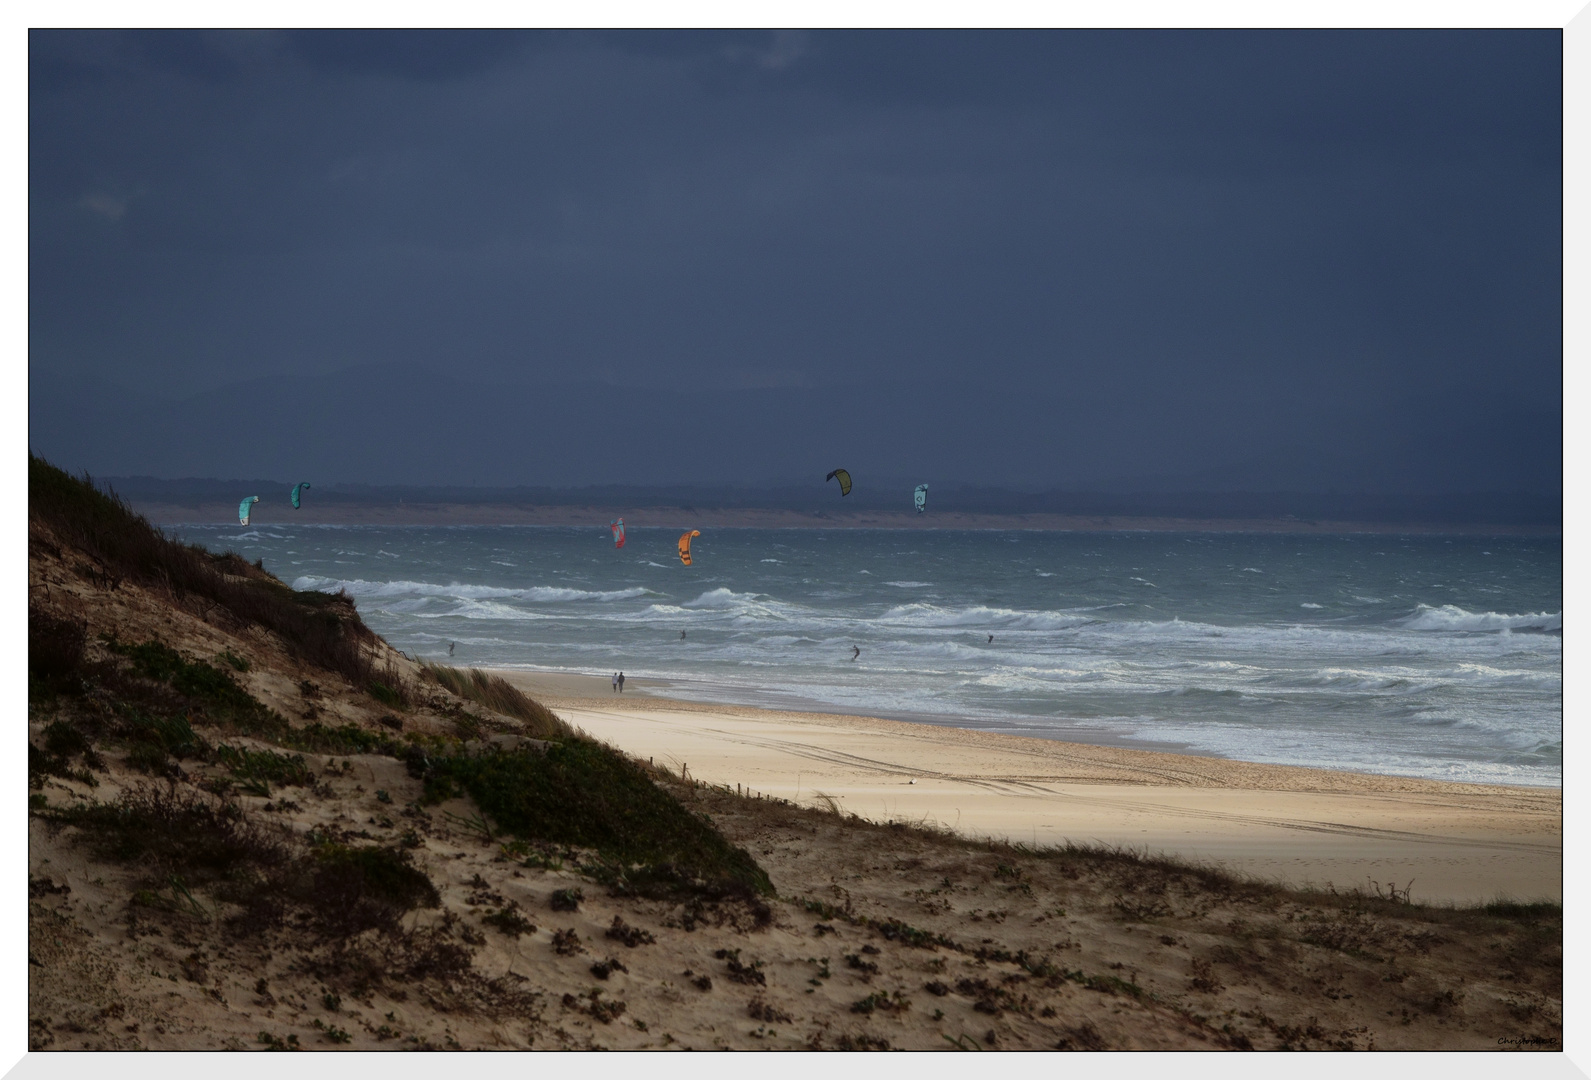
(245, 508)
(296, 489)
(843, 477)
(920, 497)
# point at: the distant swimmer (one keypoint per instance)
(855, 652)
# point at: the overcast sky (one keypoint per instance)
(1312, 260)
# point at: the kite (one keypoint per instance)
(844, 478)
(618, 532)
(920, 497)
(685, 545)
(245, 508)
(296, 489)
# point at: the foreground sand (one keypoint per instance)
(1459, 843)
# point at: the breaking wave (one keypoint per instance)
(398, 590)
(721, 600)
(928, 615)
(1451, 617)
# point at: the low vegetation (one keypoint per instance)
(111, 544)
(580, 793)
(168, 830)
(500, 696)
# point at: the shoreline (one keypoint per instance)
(593, 691)
(1458, 842)
(436, 514)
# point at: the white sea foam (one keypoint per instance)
(457, 591)
(1454, 618)
(929, 615)
(721, 600)
(1362, 678)
(482, 609)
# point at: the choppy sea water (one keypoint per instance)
(1425, 656)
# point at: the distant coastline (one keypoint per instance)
(419, 513)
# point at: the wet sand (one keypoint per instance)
(1457, 843)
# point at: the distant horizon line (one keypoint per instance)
(223, 515)
(784, 484)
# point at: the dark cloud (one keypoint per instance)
(1076, 257)
(403, 54)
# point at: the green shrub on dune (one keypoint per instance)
(581, 793)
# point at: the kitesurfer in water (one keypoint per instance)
(450, 647)
(682, 635)
(855, 652)
(991, 639)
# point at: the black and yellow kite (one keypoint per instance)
(843, 477)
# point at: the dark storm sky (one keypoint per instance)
(1201, 260)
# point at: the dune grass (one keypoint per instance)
(319, 628)
(183, 839)
(500, 696)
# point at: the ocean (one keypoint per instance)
(1437, 657)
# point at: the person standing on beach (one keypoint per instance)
(621, 682)
(615, 682)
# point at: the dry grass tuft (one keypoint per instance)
(500, 696)
(318, 628)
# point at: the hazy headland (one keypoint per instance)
(873, 504)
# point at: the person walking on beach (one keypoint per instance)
(621, 682)
(615, 682)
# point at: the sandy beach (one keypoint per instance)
(1457, 843)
